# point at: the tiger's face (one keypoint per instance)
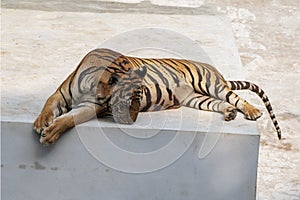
(118, 83)
(105, 86)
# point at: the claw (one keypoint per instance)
(47, 124)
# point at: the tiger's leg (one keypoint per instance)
(55, 106)
(208, 103)
(82, 113)
(249, 111)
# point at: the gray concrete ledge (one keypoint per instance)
(68, 171)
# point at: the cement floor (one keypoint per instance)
(268, 37)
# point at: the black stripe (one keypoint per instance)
(236, 102)
(261, 93)
(191, 99)
(228, 95)
(67, 105)
(107, 58)
(200, 104)
(148, 100)
(199, 83)
(86, 72)
(158, 93)
(200, 76)
(152, 79)
(135, 62)
(209, 104)
(70, 85)
(162, 103)
(170, 94)
(266, 100)
(188, 69)
(247, 85)
(217, 88)
(120, 64)
(232, 85)
(60, 112)
(116, 68)
(176, 101)
(154, 69)
(269, 107)
(218, 106)
(174, 76)
(239, 85)
(173, 66)
(220, 90)
(255, 88)
(208, 81)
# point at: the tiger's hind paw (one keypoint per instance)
(252, 113)
(230, 113)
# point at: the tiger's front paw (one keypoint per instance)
(126, 110)
(43, 121)
(51, 133)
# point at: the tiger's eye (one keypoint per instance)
(113, 80)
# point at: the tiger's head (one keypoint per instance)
(122, 90)
(120, 79)
(127, 96)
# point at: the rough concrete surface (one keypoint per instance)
(268, 37)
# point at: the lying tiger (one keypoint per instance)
(107, 82)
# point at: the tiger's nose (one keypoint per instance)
(100, 98)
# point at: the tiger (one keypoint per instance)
(107, 82)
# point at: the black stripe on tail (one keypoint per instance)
(244, 85)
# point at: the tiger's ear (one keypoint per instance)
(141, 72)
(135, 74)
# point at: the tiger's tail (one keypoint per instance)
(245, 85)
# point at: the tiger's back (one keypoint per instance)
(169, 81)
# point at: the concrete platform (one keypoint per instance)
(176, 154)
